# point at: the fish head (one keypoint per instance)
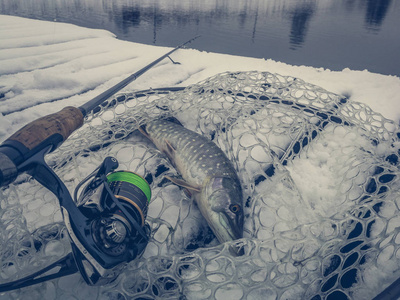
(223, 196)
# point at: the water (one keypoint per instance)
(355, 34)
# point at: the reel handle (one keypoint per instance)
(50, 130)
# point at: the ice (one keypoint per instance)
(301, 216)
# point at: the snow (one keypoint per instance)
(45, 66)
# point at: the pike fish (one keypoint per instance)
(206, 173)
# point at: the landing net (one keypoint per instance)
(320, 178)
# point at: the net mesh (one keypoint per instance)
(320, 179)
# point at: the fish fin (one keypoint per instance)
(184, 184)
(173, 120)
(170, 151)
(188, 193)
(142, 130)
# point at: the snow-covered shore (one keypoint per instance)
(45, 66)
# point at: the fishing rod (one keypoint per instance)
(54, 129)
(105, 217)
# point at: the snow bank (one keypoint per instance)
(45, 66)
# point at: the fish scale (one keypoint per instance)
(206, 172)
(201, 155)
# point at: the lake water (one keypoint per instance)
(333, 34)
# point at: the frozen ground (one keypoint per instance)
(45, 66)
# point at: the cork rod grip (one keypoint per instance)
(63, 122)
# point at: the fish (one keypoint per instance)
(205, 172)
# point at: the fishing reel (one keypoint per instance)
(110, 229)
(102, 200)
(105, 221)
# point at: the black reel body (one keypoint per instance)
(116, 208)
(106, 222)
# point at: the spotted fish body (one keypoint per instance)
(206, 172)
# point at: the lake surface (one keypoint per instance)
(333, 34)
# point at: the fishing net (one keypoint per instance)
(320, 180)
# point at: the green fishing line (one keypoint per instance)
(131, 178)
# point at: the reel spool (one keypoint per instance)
(131, 189)
(134, 194)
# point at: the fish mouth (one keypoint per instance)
(221, 201)
(232, 230)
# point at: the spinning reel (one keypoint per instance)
(105, 222)
(105, 233)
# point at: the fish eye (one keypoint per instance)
(235, 208)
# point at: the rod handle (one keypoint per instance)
(50, 130)
(61, 123)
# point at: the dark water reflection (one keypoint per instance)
(301, 17)
(376, 12)
(359, 34)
